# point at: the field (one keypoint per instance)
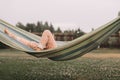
(100, 64)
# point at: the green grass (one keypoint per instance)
(25, 67)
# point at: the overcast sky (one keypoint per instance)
(68, 14)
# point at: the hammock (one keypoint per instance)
(69, 50)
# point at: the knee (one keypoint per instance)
(47, 31)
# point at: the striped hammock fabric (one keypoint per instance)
(68, 51)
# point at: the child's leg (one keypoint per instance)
(31, 44)
(22, 40)
(48, 40)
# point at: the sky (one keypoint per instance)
(66, 14)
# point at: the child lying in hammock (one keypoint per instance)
(47, 40)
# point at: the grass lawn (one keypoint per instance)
(101, 64)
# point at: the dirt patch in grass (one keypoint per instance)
(98, 53)
(111, 55)
(11, 53)
(103, 53)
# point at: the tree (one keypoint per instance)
(51, 28)
(78, 33)
(30, 27)
(20, 25)
(46, 25)
(59, 30)
(39, 27)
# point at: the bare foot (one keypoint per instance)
(6, 31)
(9, 33)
